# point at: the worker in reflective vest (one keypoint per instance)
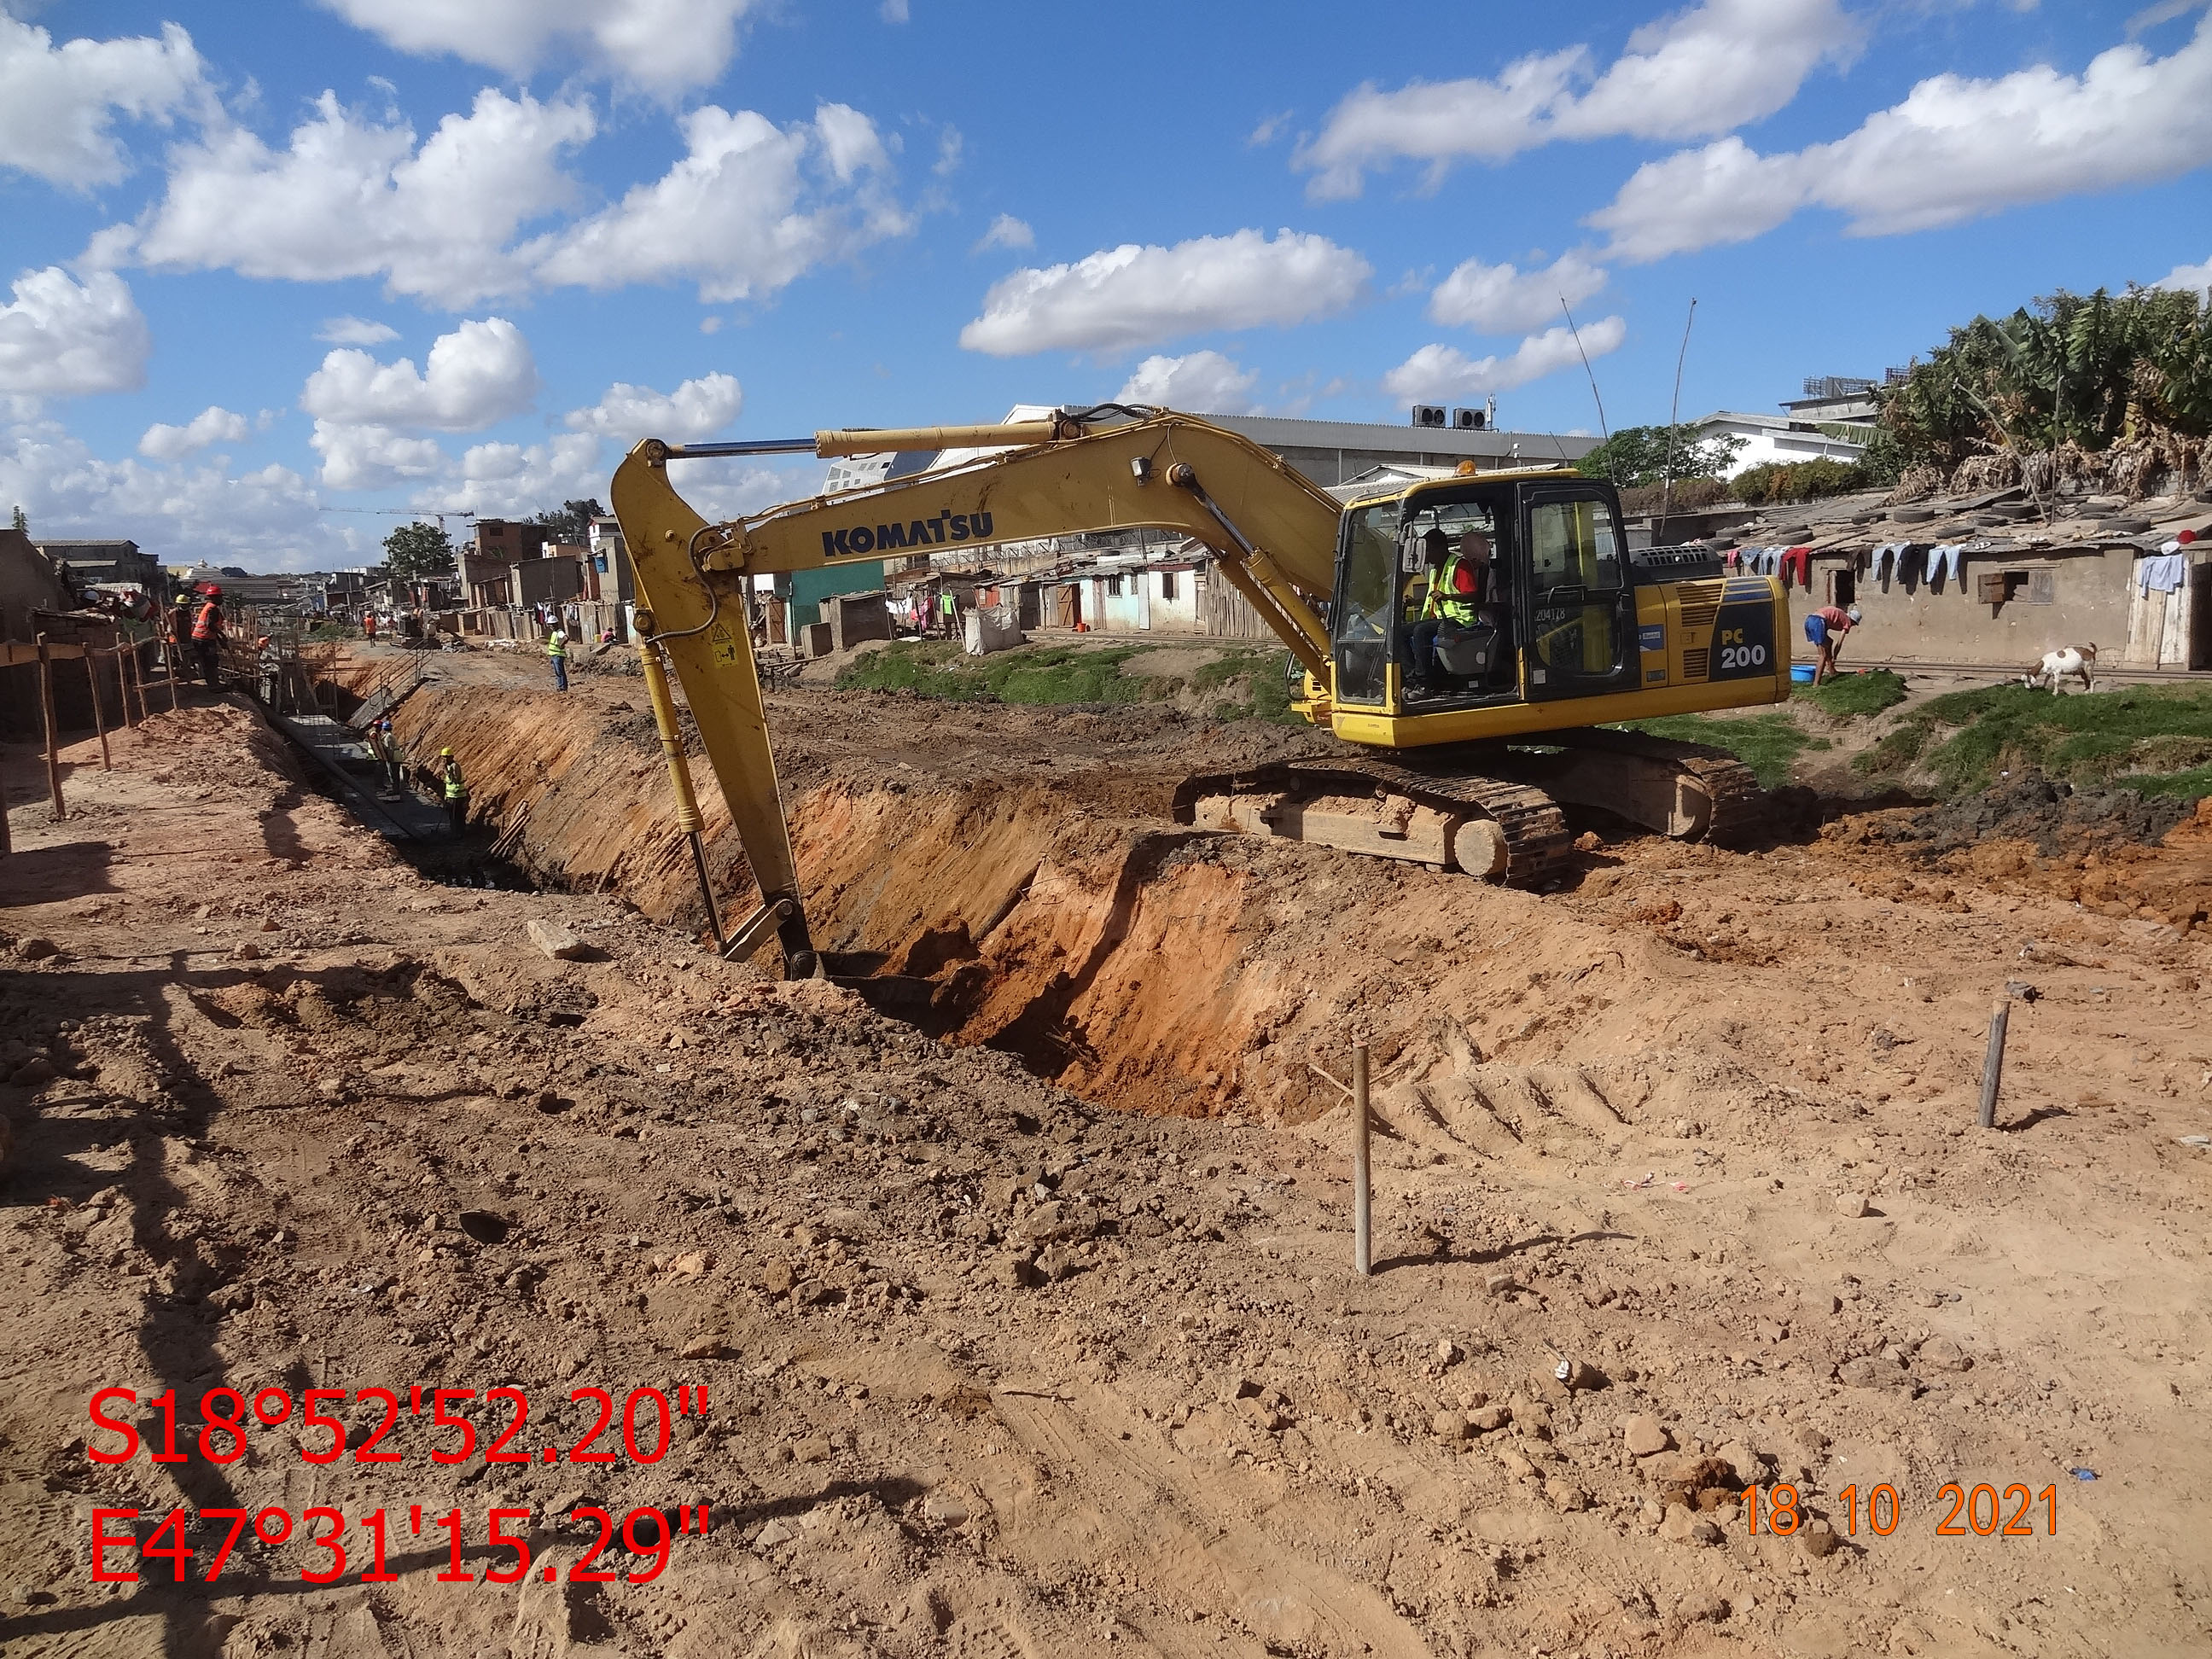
(1454, 600)
(208, 635)
(557, 652)
(457, 792)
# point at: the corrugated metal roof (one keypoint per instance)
(1285, 432)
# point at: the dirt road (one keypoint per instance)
(1024, 1319)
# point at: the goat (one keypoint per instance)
(2067, 662)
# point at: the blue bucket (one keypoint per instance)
(1801, 673)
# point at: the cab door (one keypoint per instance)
(1578, 605)
(1363, 620)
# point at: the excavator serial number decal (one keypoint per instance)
(855, 540)
(1743, 642)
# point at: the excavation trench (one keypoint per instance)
(1067, 919)
(1100, 951)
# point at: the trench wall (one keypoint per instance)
(1145, 966)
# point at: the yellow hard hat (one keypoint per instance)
(444, 754)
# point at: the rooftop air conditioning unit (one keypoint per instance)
(1469, 420)
(1428, 415)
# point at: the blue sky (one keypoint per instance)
(271, 261)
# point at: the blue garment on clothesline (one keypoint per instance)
(2161, 572)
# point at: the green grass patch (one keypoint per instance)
(2155, 738)
(1767, 744)
(1855, 695)
(1046, 674)
(1251, 684)
(1234, 665)
(2192, 784)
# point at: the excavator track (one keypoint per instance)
(1685, 790)
(1738, 804)
(1537, 845)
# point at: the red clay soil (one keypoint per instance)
(1006, 1352)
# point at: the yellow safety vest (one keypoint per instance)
(557, 645)
(1445, 600)
(455, 789)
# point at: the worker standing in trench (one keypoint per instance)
(557, 652)
(391, 770)
(457, 792)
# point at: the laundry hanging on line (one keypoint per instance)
(2162, 573)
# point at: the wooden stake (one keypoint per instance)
(98, 714)
(126, 662)
(1993, 1063)
(53, 731)
(169, 657)
(1362, 1211)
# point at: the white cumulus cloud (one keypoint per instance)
(355, 331)
(2193, 278)
(1440, 373)
(1134, 296)
(1006, 231)
(1954, 149)
(507, 478)
(1204, 382)
(62, 338)
(696, 409)
(481, 373)
(1704, 71)
(58, 104)
(500, 477)
(374, 457)
(351, 196)
(370, 417)
(749, 208)
(1504, 299)
(212, 425)
(263, 519)
(663, 46)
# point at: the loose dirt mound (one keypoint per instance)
(2055, 818)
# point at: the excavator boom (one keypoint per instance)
(1273, 534)
(1462, 745)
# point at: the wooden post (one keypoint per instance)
(1993, 1063)
(98, 714)
(126, 663)
(1363, 1216)
(53, 731)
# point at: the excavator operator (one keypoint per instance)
(1460, 598)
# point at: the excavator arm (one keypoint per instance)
(1273, 534)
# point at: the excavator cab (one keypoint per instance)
(1541, 565)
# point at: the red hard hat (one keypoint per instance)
(2186, 537)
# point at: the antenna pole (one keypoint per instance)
(1674, 415)
(1603, 430)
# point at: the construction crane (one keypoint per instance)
(1463, 763)
(400, 513)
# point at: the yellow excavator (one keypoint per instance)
(1462, 734)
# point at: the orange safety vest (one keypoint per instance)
(209, 625)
